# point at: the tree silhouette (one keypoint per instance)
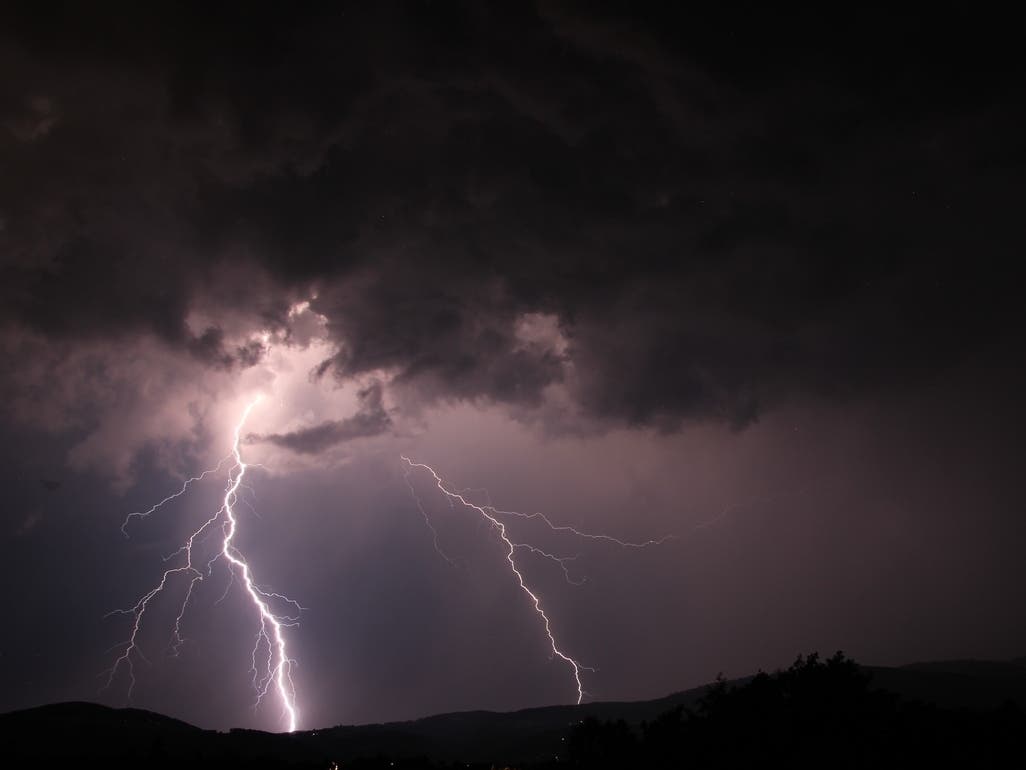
(816, 714)
(600, 745)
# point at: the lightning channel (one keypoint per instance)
(270, 645)
(185, 487)
(494, 517)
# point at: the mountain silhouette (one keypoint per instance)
(580, 736)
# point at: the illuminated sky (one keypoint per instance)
(742, 280)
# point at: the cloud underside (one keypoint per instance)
(707, 240)
(371, 419)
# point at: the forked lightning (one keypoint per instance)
(271, 664)
(493, 516)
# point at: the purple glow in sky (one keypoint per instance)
(743, 281)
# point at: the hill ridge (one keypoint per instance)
(87, 729)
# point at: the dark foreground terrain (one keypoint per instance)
(818, 713)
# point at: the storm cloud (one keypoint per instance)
(741, 277)
(370, 420)
(713, 232)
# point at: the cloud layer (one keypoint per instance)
(711, 232)
(370, 419)
(739, 277)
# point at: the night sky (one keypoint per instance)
(738, 277)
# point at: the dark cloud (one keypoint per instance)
(583, 216)
(371, 419)
(718, 220)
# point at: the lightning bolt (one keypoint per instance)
(493, 516)
(270, 645)
(185, 486)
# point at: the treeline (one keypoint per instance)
(816, 714)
